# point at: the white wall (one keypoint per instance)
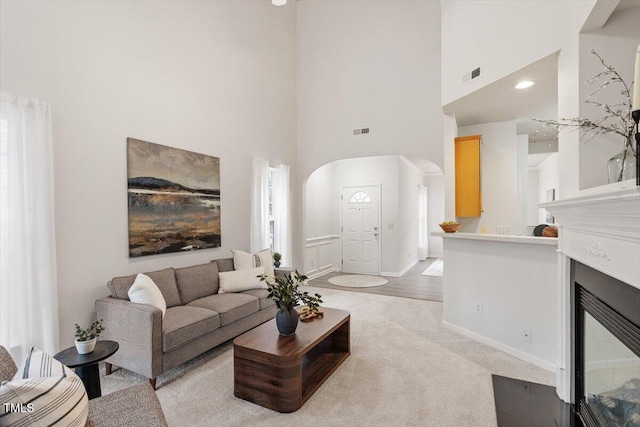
(482, 34)
(409, 182)
(548, 179)
(516, 285)
(473, 34)
(217, 78)
(499, 177)
(532, 198)
(372, 64)
(321, 203)
(616, 43)
(522, 166)
(435, 212)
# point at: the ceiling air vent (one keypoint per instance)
(360, 131)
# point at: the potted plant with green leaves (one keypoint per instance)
(86, 338)
(285, 291)
(276, 259)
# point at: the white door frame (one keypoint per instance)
(379, 188)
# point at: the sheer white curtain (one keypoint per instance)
(28, 287)
(282, 214)
(259, 229)
(423, 231)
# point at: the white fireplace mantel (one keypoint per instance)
(600, 229)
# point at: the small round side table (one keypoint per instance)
(86, 365)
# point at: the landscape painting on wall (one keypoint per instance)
(174, 199)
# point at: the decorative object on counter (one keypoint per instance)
(86, 338)
(307, 314)
(550, 232)
(285, 291)
(276, 259)
(617, 119)
(538, 230)
(450, 226)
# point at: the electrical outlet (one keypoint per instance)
(526, 335)
(313, 263)
(484, 229)
(390, 226)
(478, 309)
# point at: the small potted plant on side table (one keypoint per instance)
(276, 259)
(86, 338)
(285, 291)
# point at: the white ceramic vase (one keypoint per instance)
(85, 347)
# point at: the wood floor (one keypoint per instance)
(412, 285)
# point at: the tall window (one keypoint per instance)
(271, 218)
(271, 209)
(28, 289)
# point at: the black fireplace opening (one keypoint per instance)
(606, 349)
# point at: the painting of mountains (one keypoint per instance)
(174, 199)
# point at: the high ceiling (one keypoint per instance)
(501, 101)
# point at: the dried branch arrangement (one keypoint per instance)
(617, 117)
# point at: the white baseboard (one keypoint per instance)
(407, 268)
(317, 274)
(500, 346)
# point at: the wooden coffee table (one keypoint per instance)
(281, 373)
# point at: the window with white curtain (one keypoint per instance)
(28, 287)
(271, 209)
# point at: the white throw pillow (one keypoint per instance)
(264, 258)
(145, 291)
(43, 392)
(37, 363)
(241, 280)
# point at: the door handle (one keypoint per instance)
(375, 228)
(375, 234)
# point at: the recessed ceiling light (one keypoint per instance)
(524, 84)
(278, 2)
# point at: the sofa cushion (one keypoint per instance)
(264, 258)
(197, 281)
(230, 307)
(164, 279)
(261, 294)
(183, 323)
(241, 280)
(225, 264)
(145, 291)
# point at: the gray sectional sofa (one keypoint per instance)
(197, 319)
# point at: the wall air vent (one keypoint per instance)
(360, 131)
(473, 74)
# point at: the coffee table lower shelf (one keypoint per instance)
(283, 383)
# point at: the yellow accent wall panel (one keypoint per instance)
(467, 164)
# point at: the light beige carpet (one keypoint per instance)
(405, 369)
(358, 281)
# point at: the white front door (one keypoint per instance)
(360, 229)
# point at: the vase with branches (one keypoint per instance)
(617, 119)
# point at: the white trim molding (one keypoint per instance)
(322, 255)
(600, 229)
(501, 346)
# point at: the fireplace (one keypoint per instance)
(598, 285)
(605, 338)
